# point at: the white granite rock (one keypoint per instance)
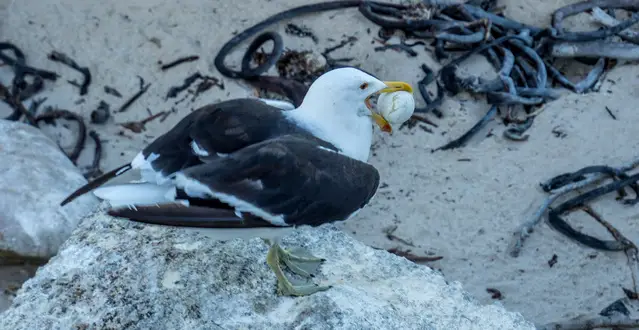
(115, 274)
(35, 176)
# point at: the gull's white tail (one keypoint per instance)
(130, 194)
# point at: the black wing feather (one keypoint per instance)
(224, 128)
(293, 177)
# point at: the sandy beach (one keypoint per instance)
(460, 204)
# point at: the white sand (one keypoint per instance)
(464, 211)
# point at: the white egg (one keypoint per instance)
(396, 107)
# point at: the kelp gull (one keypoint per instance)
(245, 166)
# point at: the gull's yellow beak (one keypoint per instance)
(396, 86)
(392, 86)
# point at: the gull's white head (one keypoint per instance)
(347, 92)
(337, 109)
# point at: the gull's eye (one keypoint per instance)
(363, 86)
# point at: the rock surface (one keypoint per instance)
(115, 274)
(11, 278)
(35, 176)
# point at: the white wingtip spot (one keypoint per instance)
(198, 150)
(326, 149)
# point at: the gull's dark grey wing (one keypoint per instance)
(284, 181)
(202, 136)
(216, 129)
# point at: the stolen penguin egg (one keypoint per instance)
(396, 107)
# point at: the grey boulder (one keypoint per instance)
(116, 274)
(35, 176)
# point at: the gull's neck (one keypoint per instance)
(342, 127)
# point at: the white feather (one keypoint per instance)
(278, 104)
(326, 149)
(198, 150)
(147, 172)
(136, 193)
